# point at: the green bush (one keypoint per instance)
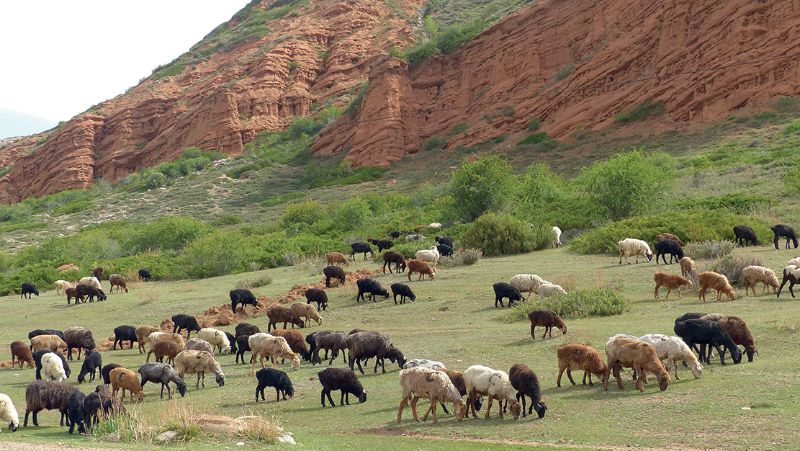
(499, 235)
(355, 103)
(461, 257)
(191, 160)
(737, 202)
(564, 72)
(576, 304)
(459, 129)
(709, 249)
(218, 253)
(641, 112)
(420, 51)
(732, 265)
(452, 37)
(481, 186)
(535, 138)
(254, 282)
(434, 142)
(534, 124)
(303, 214)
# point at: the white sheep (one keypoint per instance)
(672, 350)
(415, 237)
(197, 344)
(8, 412)
(527, 282)
(266, 345)
(199, 362)
(216, 338)
(794, 262)
(482, 380)
(752, 275)
(630, 247)
(53, 368)
(431, 384)
(550, 289)
(435, 225)
(424, 363)
(557, 237)
(62, 286)
(90, 282)
(428, 255)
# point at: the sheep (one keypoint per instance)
(632, 247)
(242, 346)
(404, 291)
(333, 272)
(632, 353)
(119, 282)
(791, 274)
(27, 289)
(527, 282)
(445, 240)
(744, 235)
(550, 289)
(295, 340)
(232, 341)
(216, 338)
(93, 282)
(707, 333)
(80, 338)
(737, 329)
(246, 329)
(47, 342)
(688, 268)
(782, 230)
(159, 336)
(435, 225)
(110, 405)
(361, 248)
(307, 312)
(8, 412)
(340, 379)
(278, 314)
(419, 383)
(686, 316)
(505, 290)
(91, 408)
(161, 349)
(20, 353)
(76, 413)
(62, 286)
(144, 275)
(125, 379)
(485, 381)
(86, 291)
(46, 395)
(52, 368)
(575, 356)
(163, 374)
(394, 257)
(428, 255)
(371, 287)
(673, 349)
(243, 297)
(336, 259)
(457, 378)
(415, 237)
(718, 282)
(795, 261)
(423, 268)
(381, 244)
(37, 332)
(199, 362)
(37, 361)
(105, 372)
(365, 345)
(317, 295)
(329, 341)
(752, 275)
(670, 282)
(198, 344)
(184, 322)
(123, 333)
(98, 273)
(269, 377)
(424, 363)
(671, 247)
(142, 335)
(525, 381)
(91, 362)
(668, 236)
(547, 319)
(266, 345)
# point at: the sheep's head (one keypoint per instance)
(461, 409)
(731, 294)
(663, 379)
(289, 390)
(515, 409)
(563, 328)
(649, 256)
(540, 409)
(13, 425)
(295, 362)
(220, 379)
(751, 351)
(362, 397)
(181, 387)
(697, 369)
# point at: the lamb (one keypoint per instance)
(161, 373)
(381, 244)
(752, 275)
(295, 340)
(743, 235)
(278, 314)
(550, 289)
(319, 296)
(52, 368)
(37, 332)
(371, 287)
(404, 291)
(782, 230)
(27, 289)
(365, 345)
(547, 319)
(307, 312)
(632, 353)
(505, 290)
(198, 344)
(718, 282)
(161, 349)
(329, 341)
(93, 282)
(76, 413)
(575, 356)
(62, 286)
(8, 412)
(216, 338)
(445, 240)
(37, 361)
(791, 274)
(143, 334)
(47, 342)
(340, 379)
(242, 346)
(671, 247)
(336, 258)
(246, 329)
(124, 333)
(144, 275)
(670, 282)
(707, 333)
(105, 372)
(119, 282)
(428, 255)
(630, 247)
(333, 272)
(524, 380)
(86, 291)
(361, 248)
(556, 237)
(269, 377)
(266, 345)
(20, 353)
(673, 349)
(91, 362)
(737, 329)
(185, 322)
(80, 338)
(688, 268)
(482, 380)
(46, 395)
(527, 282)
(435, 385)
(394, 257)
(125, 379)
(199, 362)
(421, 267)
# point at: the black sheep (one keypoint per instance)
(124, 333)
(394, 257)
(396, 234)
(382, 244)
(366, 345)
(232, 341)
(361, 248)
(707, 333)
(47, 395)
(242, 296)
(85, 291)
(312, 344)
(37, 360)
(242, 346)
(781, 230)
(371, 287)
(524, 380)
(144, 275)
(27, 290)
(445, 240)
(184, 322)
(79, 338)
(76, 413)
(333, 272)
(340, 379)
(105, 372)
(37, 332)
(744, 235)
(445, 250)
(269, 377)
(671, 247)
(246, 329)
(404, 291)
(319, 296)
(91, 405)
(91, 362)
(506, 290)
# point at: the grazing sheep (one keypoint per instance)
(27, 289)
(485, 381)
(525, 381)
(737, 329)
(752, 275)
(548, 289)
(421, 267)
(266, 345)
(674, 349)
(319, 296)
(47, 342)
(105, 372)
(632, 353)
(37, 361)
(20, 353)
(91, 363)
(417, 383)
(575, 356)
(93, 282)
(686, 316)
(336, 259)
(445, 240)
(782, 230)
(791, 274)
(505, 290)
(163, 374)
(85, 291)
(329, 341)
(404, 291)
(296, 342)
(365, 345)
(371, 287)
(381, 244)
(269, 377)
(556, 237)
(161, 349)
(144, 275)
(744, 235)
(707, 333)
(159, 336)
(46, 395)
(307, 312)
(52, 368)
(527, 282)
(216, 338)
(333, 272)
(424, 363)
(278, 314)
(242, 346)
(415, 237)
(396, 234)
(76, 413)
(62, 286)
(548, 320)
(688, 268)
(457, 378)
(8, 412)
(361, 248)
(198, 344)
(123, 333)
(445, 250)
(98, 273)
(246, 329)
(37, 332)
(428, 255)
(143, 334)
(718, 282)
(119, 282)
(670, 282)
(668, 236)
(671, 247)
(79, 338)
(333, 379)
(184, 322)
(631, 247)
(243, 297)
(394, 257)
(199, 362)
(92, 405)
(125, 379)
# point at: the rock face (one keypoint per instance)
(575, 64)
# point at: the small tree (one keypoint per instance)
(481, 186)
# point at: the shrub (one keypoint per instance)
(641, 112)
(576, 304)
(219, 253)
(736, 202)
(791, 179)
(535, 138)
(355, 103)
(434, 142)
(459, 129)
(732, 265)
(481, 186)
(254, 282)
(541, 236)
(499, 235)
(534, 125)
(461, 257)
(303, 214)
(455, 35)
(564, 72)
(709, 249)
(420, 51)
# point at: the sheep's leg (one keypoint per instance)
(520, 395)
(403, 404)
(616, 370)
(489, 407)
(675, 364)
(433, 407)
(669, 290)
(560, 373)
(569, 376)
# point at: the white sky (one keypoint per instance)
(60, 57)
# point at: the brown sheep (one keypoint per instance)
(576, 356)
(548, 320)
(142, 332)
(668, 236)
(165, 348)
(688, 268)
(738, 331)
(671, 282)
(48, 342)
(119, 282)
(631, 353)
(22, 353)
(125, 379)
(71, 294)
(718, 282)
(423, 268)
(297, 343)
(336, 259)
(308, 312)
(278, 314)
